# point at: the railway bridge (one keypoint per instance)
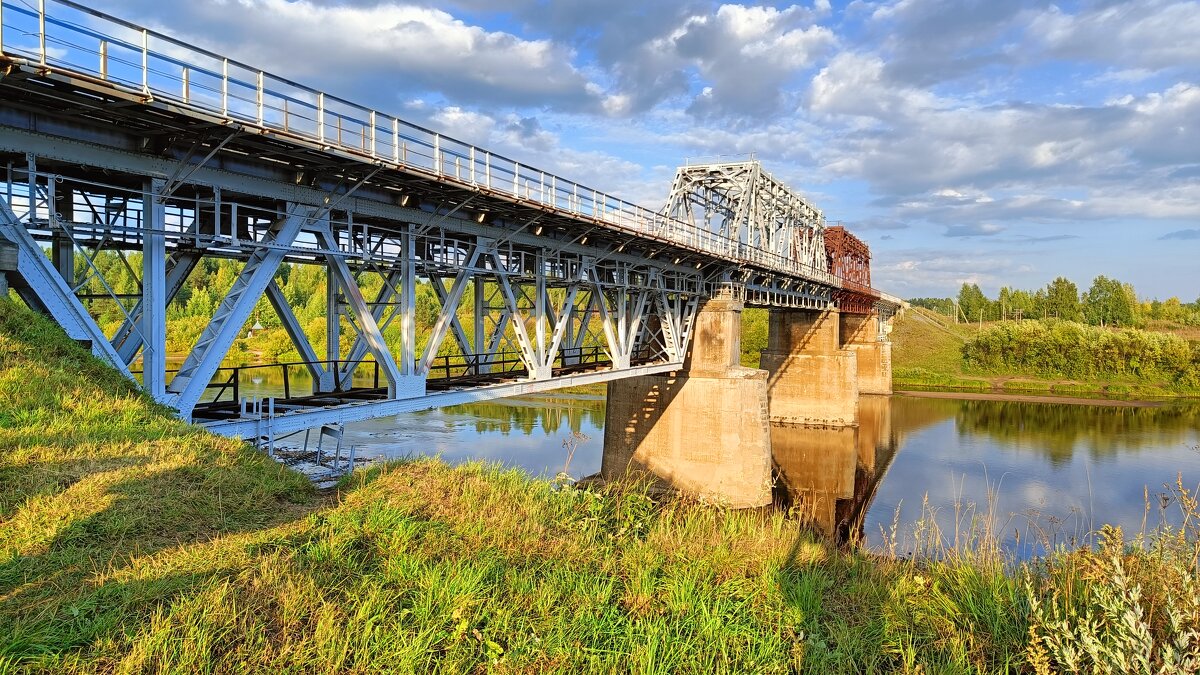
(121, 141)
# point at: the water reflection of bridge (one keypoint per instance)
(828, 475)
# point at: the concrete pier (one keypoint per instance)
(714, 429)
(703, 431)
(859, 333)
(812, 379)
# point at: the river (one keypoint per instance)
(1035, 474)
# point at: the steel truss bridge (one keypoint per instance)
(116, 139)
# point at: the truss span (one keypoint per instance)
(123, 145)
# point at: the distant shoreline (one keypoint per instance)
(1026, 398)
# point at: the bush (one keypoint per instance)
(1074, 350)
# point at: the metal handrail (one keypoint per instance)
(160, 67)
(449, 366)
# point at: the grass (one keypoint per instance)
(920, 378)
(132, 543)
(928, 341)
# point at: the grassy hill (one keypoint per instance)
(925, 339)
(133, 543)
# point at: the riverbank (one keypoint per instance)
(130, 542)
(1020, 398)
(927, 353)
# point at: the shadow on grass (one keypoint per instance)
(28, 481)
(59, 599)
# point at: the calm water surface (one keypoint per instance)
(1046, 472)
(1041, 472)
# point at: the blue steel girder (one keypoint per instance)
(615, 279)
(449, 310)
(214, 342)
(153, 318)
(396, 284)
(379, 207)
(365, 320)
(39, 283)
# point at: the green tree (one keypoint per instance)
(1005, 302)
(1108, 303)
(1062, 300)
(1172, 310)
(939, 305)
(1023, 305)
(973, 303)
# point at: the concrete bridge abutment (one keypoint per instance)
(702, 431)
(812, 379)
(860, 334)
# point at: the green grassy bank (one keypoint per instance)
(1034, 357)
(131, 543)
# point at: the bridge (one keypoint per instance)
(119, 140)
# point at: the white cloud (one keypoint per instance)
(908, 142)
(855, 84)
(1147, 34)
(378, 52)
(745, 55)
(977, 230)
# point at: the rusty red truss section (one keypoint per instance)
(849, 260)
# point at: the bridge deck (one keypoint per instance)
(286, 416)
(452, 373)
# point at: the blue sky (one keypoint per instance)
(996, 142)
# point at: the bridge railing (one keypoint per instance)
(60, 34)
(229, 381)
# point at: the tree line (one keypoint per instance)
(1108, 302)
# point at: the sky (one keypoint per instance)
(998, 142)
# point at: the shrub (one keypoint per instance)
(1067, 349)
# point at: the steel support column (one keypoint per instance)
(154, 292)
(333, 315)
(408, 304)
